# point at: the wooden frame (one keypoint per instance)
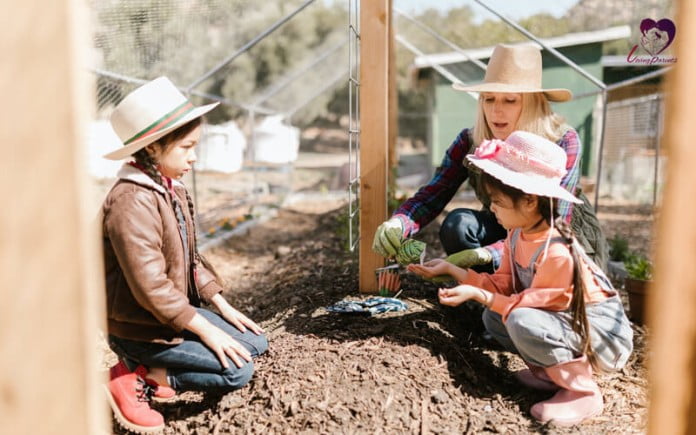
(377, 128)
(672, 301)
(52, 285)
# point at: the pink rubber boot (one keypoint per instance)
(535, 377)
(578, 399)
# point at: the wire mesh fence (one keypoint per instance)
(633, 161)
(269, 64)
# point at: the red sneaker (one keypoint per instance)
(161, 392)
(129, 397)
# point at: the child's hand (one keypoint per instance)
(239, 320)
(223, 345)
(220, 342)
(430, 269)
(233, 316)
(456, 296)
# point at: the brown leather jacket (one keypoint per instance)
(152, 284)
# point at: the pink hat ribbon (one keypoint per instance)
(514, 159)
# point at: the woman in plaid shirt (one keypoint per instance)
(510, 98)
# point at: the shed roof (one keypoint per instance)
(570, 39)
(618, 61)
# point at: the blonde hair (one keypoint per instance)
(536, 117)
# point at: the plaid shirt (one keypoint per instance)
(431, 199)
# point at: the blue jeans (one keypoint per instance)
(191, 365)
(464, 228)
(546, 338)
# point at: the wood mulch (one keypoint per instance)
(429, 369)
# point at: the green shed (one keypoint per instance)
(450, 111)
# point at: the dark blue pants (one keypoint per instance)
(465, 228)
(191, 365)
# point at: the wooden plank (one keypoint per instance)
(51, 260)
(375, 18)
(672, 300)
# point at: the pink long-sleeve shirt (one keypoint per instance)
(552, 285)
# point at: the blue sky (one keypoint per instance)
(515, 9)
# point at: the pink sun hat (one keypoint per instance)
(526, 161)
(150, 112)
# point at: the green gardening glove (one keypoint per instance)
(409, 252)
(470, 257)
(388, 238)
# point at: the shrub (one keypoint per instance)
(638, 267)
(618, 248)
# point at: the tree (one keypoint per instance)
(183, 40)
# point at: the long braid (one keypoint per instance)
(192, 213)
(580, 323)
(148, 165)
(198, 257)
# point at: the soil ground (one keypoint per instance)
(429, 369)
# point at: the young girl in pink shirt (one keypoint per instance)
(548, 301)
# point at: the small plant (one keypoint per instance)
(343, 221)
(638, 267)
(618, 248)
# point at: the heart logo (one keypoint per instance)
(657, 36)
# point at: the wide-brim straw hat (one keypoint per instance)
(515, 69)
(526, 161)
(150, 112)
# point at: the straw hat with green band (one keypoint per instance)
(150, 112)
(515, 69)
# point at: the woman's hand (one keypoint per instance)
(431, 268)
(220, 342)
(457, 295)
(233, 316)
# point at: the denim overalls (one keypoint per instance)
(546, 338)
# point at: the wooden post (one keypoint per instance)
(375, 19)
(51, 260)
(672, 301)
